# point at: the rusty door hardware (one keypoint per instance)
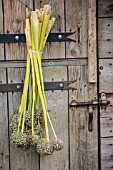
(18, 87)
(53, 37)
(103, 102)
(90, 122)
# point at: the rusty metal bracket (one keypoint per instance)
(103, 102)
(18, 87)
(53, 37)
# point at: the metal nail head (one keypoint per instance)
(16, 37)
(18, 86)
(61, 85)
(59, 36)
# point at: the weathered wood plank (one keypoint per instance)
(1, 31)
(106, 153)
(105, 29)
(14, 22)
(105, 37)
(54, 49)
(106, 126)
(102, 5)
(76, 21)
(106, 75)
(105, 49)
(46, 63)
(58, 104)
(83, 143)
(92, 53)
(4, 141)
(106, 119)
(20, 159)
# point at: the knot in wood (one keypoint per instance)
(73, 52)
(17, 24)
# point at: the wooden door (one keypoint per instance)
(80, 150)
(105, 54)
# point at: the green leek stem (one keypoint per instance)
(24, 95)
(30, 94)
(33, 104)
(51, 126)
(41, 97)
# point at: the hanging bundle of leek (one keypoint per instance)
(30, 123)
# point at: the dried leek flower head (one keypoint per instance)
(20, 139)
(57, 144)
(44, 147)
(30, 125)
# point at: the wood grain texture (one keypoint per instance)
(4, 141)
(83, 144)
(20, 159)
(102, 5)
(107, 153)
(58, 105)
(92, 52)
(106, 75)
(105, 49)
(14, 22)
(106, 126)
(54, 49)
(105, 29)
(76, 19)
(1, 31)
(106, 119)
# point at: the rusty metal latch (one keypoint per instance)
(103, 102)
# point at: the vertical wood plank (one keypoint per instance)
(58, 104)
(106, 153)
(20, 159)
(76, 20)
(14, 21)
(83, 143)
(4, 142)
(1, 31)
(92, 54)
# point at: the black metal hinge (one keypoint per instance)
(20, 38)
(18, 87)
